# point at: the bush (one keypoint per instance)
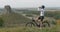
(1, 22)
(52, 21)
(57, 16)
(54, 14)
(29, 15)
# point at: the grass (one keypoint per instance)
(14, 19)
(28, 29)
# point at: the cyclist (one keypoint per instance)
(41, 9)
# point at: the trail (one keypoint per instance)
(26, 16)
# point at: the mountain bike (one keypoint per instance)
(34, 23)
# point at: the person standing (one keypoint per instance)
(41, 9)
(41, 16)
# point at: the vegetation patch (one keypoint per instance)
(28, 29)
(14, 19)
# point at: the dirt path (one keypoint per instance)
(26, 16)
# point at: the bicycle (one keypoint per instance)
(34, 23)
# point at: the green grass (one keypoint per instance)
(55, 14)
(14, 19)
(28, 29)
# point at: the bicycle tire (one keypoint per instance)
(30, 24)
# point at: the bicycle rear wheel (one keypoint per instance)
(30, 24)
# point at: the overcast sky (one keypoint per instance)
(30, 3)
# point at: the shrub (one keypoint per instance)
(1, 22)
(29, 15)
(50, 20)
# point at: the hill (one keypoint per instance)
(14, 19)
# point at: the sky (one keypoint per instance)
(30, 3)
